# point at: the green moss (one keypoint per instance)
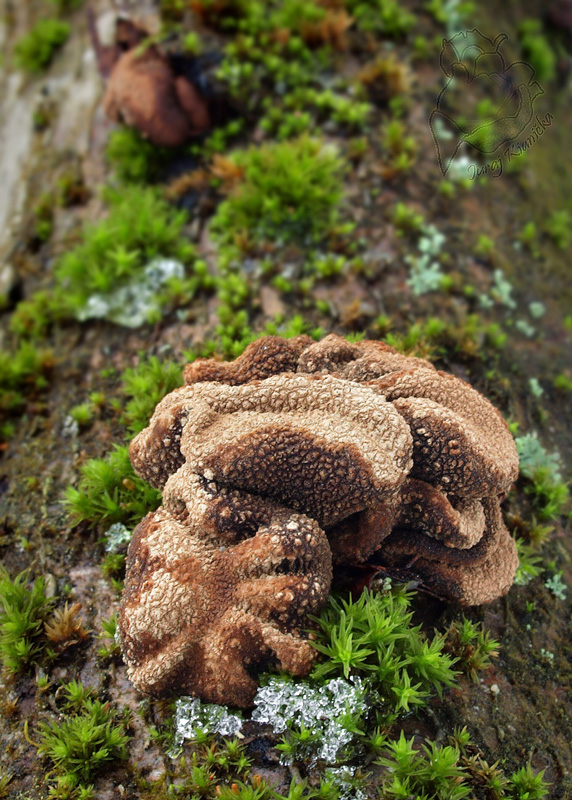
(34, 52)
(530, 563)
(109, 634)
(140, 226)
(217, 768)
(529, 238)
(109, 491)
(113, 568)
(526, 785)
(471, 645)
(401, 149)
(23, 611)
(22, 373)
(235, 334)
(432, 772)
(43, 218)
(172, 10)
(451, 772)
(387, 17)
(563, 382)
(145, 385)
(557, 226)
(133, 158)
(5, 778)
(407, 220)
(80, 745)
(373, 637)
(82, 414)
(282, 78)
(305, 105)
(549, 496)
(255, 16)
(32, 318)
(289, 192)
(192, 43)
(484, 247)
(544, 484)
(537, 49)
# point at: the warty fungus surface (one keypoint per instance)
(296, 455)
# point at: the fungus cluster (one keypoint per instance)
(296, 456)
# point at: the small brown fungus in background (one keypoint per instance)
(294, 455)
(144, 91)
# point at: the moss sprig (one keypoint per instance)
(24, 608)
(109, 491)
(90, 735)
(373, 636)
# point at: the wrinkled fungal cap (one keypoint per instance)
(272, 465)
(473, 576)
(268, 356)
(200, 618)
(327, 447)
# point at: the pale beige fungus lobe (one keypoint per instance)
(271, 466)
(198, 618)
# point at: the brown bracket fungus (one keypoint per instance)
(294, 455)
(145, 92)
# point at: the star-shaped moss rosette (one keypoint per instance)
(486, 101)
(295, 455)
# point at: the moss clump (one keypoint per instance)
(140, 226)
(471, 645)
(544, 485)
(433, 771)
(34, 52)
(23, 611)
(289, 191)
(133, 158)
(557, 226)
(22, 372)
(451, 771)
(109, 491)
(90, 736)
(387, 17)
(537, 49)
(145, 385)
(373, 637)
(218, 768)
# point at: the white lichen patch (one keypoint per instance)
(556, 585)
(426, 274)
(324, 711)
(535, 387)
(132, 304)
(502, 290)
(70, 428)
(343, 778)
(192, 717)
(115, 536)
(533, 456)
(536, 309)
